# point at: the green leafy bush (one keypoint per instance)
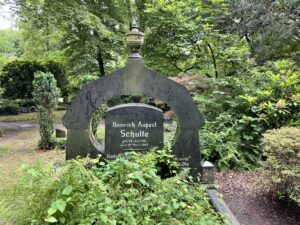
(9, 107)
(281, 170)
(27, 103)
(45, 94)
(276, 101)
(220, 96)
(239, 109)
(124, 191)
(1, 132)
(59, 72)
(77, 82)
(221, 143)
(16, 77)
(230, 137)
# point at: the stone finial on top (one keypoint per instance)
(135, 40)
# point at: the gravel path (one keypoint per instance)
(253, 205)
(27, 125)
(24, 125)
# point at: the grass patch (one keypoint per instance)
(4, 150)
(100, 134)
(21, 146)
(16, 148)
(31, 117)
(19, 141)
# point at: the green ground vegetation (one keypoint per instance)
(16, 148)
(239, 109)
(124, 191)
(108, 192)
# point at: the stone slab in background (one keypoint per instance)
(60, 133)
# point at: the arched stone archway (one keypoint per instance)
(135, 78)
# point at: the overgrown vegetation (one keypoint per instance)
(239, 111)
(45, 94)
(16, 106)
(125, 191)
(281, 170)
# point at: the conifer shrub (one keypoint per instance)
(124, 191)
(281, 169)
(45, 94)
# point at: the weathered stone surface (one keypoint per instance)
(81, 142)
(135, 78)
(132, 127)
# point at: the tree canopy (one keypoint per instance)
(212, 37)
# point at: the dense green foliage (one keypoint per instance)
(124, 191)
(281, 170)
(88, 35)
(184, 36)
(271, 27)
(17, 76)
(13, 107)
(239, 109)
(16, 79)
(9, 46)
(9, 107)
(45, 94)
(276, 100)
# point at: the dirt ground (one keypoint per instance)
(19, 147)
(253, 205)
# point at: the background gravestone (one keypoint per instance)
(132, 127)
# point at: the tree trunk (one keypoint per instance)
(213, 58)
(100, 62)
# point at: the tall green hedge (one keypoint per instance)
(16, 77)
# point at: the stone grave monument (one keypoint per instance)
(134, 127)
